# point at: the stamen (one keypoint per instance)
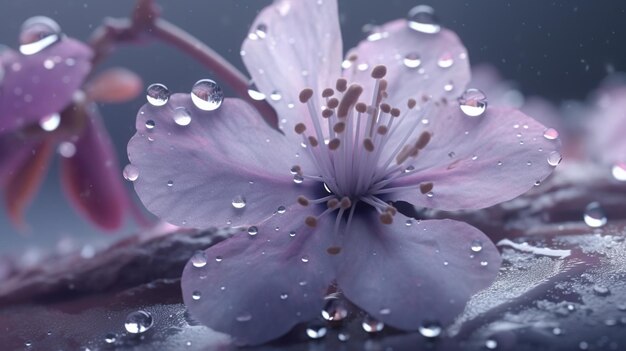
(332, 103)
(379, 72)
(300, 128)
(305, 95)
(332, 203)
(327, 113)
(360, 107)
(341, 85)
(423, 140)
(368, 144)
(303, 201)
(345, 202)
(328, 92)
(411, 103)
(333, 250)
(334, 144)
(382, 130)
(386, 218)
(313, 141)
(385, 108)
(426, 187)
(311, 221)
(349, 98)
(339, 127)
(395, 112)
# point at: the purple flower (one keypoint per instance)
(316, 203)
(42, 108)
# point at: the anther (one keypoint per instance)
(339, 127)
(386, 218)
(332, 203)
(300, 128)
(313, 141)
(327, 113)
(392, 210)
(303, 201)
(305, 95)
(414, 152)
(382, 130)
(423, 140)
(311, 221)
(334, 144)
(411, 103)
(385, 108)
(341, 85)
(328, 92)
(426, 187)
(332, 103)
(345, 202)
(333, 250)
(425, 98)
(383, 84)
(368, 144)
(395, 112)
(360, 107)
(349, 98)
(379, 72)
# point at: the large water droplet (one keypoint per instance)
(422, 18)
(130, 173)
(412, 60)
(239, 201)
(253, 231)
(316, 330)
(619, 171)
(554, 158)
(207, 95)
(38, 33)
(594, 216)
(430, 329)
(157, 94)
(50, 123)
(372, 325)
(182, 117)
(473, 102)
(334, 310)
(476, 246)
(550, 134)
(138, 322)
(199, 259)
(343, 336)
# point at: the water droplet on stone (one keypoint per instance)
(334, 310)
(110, 338)
(157, 94)
(445, 60)
(491, 344)
(50, 123)
(372, 325)
(449, 86)
(473, 102)
(253, 231)
(38, 33)
(412, 60)
(557, 331)
(422, 18)
(619, 171)
(316, 331)
(554, 158)
(430, 329)
(196, 295)
(207, 95)
(305, 259)
(594, 215)
(476, 246)
(182, 117)
(138, 322)
(199, 259)
(254, 92)
(130, 173)
(239, 202)
(550, 134)
(601, 290)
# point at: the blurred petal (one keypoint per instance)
(257, 288)
(114, 85)
(14, 151)
(24, 184)
(226, 167)
(92, 178)
(607, 126)
(476, 162)
(293, 45)
(409, 275)
(38, 85)
(418, 64)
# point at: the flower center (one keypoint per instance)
(359, 149)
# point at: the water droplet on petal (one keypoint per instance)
(449, 86)
(239, 202)
(476, 246)
(276, 95)
(157, 94)
(491, 344)
(372, 325)
(199, 259)
(284, 296)
(601, 290)
(261, 30)
(254, 92)
(484, 263)
(207, 95)
(430, 329)
(445, 60)
(343, 336)
(196, 295)
(298, 179)
(50, 123)
(138, 322)
(150, 124)
(554, 158)
(316, 331)
(334, 310)
(246, 317)
(38, 33)
(594, 216)
(551, 134)
(252, 231)
(412, 60)
(130, 173)
(182, 117)
(422, 18)
(619, 171)
(473, 102)
(110, 338)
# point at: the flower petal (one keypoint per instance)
(293, 45)
(199, 175)
(14, 151)
(407, 275)
(418, 64)
(477, 162)
(257, 288)
(91, 177)
(114, 85)
(41, 84)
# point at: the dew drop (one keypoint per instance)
(601, 290)
(138, 322)
(150, 124)
(254, 92)
(449, 86)
(246, 317)
(619, 171)
(594, 215)
(130, 173)
(207, 95)
(445, 60)
(412, 60)
(491, 344)
(473, 102)
(298, 179)
(196, 295)
(334, 310)
(484, 263)
(476, 246)
(343, 336)
(554, 158)
(67, 149)
(261, 30)
(305, 259)
(50, 123)
(252, 231)
(170, 183)
(430, 329)
(550, 134)
(182, 117)
(276, 95)
(38, 33)
(409, 222)
(281, 210)
(110, 338)
(316, 331)
(239, 202)
(199, 259)
(157, 94)
(372, 325)
(422, 18)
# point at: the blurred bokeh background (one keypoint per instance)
(560, 50)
